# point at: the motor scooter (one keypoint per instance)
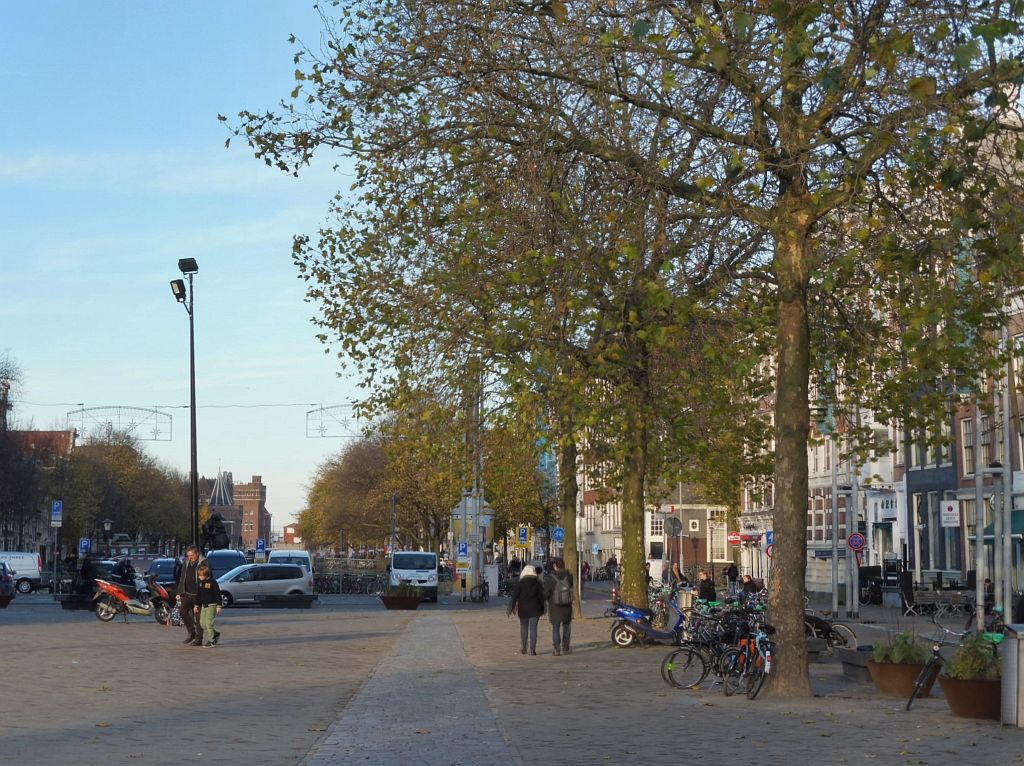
(150, 598)
(635, 624)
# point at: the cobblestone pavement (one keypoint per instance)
(348, 682)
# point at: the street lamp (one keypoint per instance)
(107, 526)
(188, 267)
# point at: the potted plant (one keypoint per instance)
(402, 596)
(971, 680)
(895, 665)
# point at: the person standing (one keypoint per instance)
(188, 594)
(528, 603)
(558, 592)
(706, 587)
(209, 604)
(679, 580)
(733, 574)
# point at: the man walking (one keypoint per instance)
(188, 595)
(733, 574)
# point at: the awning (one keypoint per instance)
(1016, 526)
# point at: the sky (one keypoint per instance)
(112, 167)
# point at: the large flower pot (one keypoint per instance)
(972, 698)
(401, 602)
(897, 679)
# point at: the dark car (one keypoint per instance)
(6, 580)
(165, 572)
(93, 568)
(224, 561)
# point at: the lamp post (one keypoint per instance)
(107, 526)
(188, 267)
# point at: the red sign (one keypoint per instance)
(768, 551)
(734, 538)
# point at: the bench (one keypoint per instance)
(295, 601)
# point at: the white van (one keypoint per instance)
(291, 557)
(417, 568)
(28, 569)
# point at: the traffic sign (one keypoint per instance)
(594, 549)
(855, 541)
(57, 514)
(734, 538)
(84, 546)
(261, 544)
(523, 538)
(558, 535)
(463, 549)
(768, 550)
(769, 537)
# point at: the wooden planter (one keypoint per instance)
(972, 698)
(4, 601)
(401, 602)
(898, 679)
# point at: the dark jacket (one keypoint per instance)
(209, 592)
(732, 572)
(557, 613)
(527, 598)
(188, 583)
(706, 590)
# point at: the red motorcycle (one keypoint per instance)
(114, 598)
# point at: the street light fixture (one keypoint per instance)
(107, 526)
(188, 267)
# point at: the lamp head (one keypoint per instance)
(188, 266)
(178, 289)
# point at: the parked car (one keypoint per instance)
(291, 557)
(243, 584)
(93, 568)
(224, 560)
(27, 569)
(165, 572)
(6, 580)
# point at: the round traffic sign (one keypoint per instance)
(673, 526)
(734, 538)
(768, 550)
(855, 541)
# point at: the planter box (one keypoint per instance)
(855, 663)
(296, 601)
(75, 600)
(972, 698)
(401, 602)
(4, 601)
(815, 646)
(898, 679)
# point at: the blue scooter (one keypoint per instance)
(633, 626)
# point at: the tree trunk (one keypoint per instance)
(792, 421)
(567, 500)
(634, 473)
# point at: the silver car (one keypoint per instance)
(243, 584)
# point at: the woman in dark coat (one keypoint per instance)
(528, 602)
(558, 587)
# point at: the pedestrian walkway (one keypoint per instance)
(424, 704)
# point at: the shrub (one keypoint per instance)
(975, 659)
(904, 649)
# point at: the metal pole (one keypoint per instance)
(979, 522)
(394, 519)
(852, 513)
(835, 524)
(1007, 573)
(192, 409)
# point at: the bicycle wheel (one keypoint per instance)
(841, 636)
(476, 594)
(755, 680)
(733, 663)
(922, 679)
(684, 668)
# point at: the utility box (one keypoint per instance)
(1012, 651)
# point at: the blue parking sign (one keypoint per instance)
(84, 546)
(261, 544)
(463, 549)
(524, 535)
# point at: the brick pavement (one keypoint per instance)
(348, 682)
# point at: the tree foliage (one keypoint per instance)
(610, 177)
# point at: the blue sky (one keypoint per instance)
(112, 167)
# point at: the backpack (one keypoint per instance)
(562, 594)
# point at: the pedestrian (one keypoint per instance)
(679, 580)
(749, 586)
(733, 574)
(528, 603)
(209, 604)
(558, 592)
(647, 574)
(586, 571)
(706, 587)
(188, 594)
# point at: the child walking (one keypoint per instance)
(209, 604)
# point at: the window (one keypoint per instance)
(657, 525)
(986, 440)
(694, 525)
(967, 445)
